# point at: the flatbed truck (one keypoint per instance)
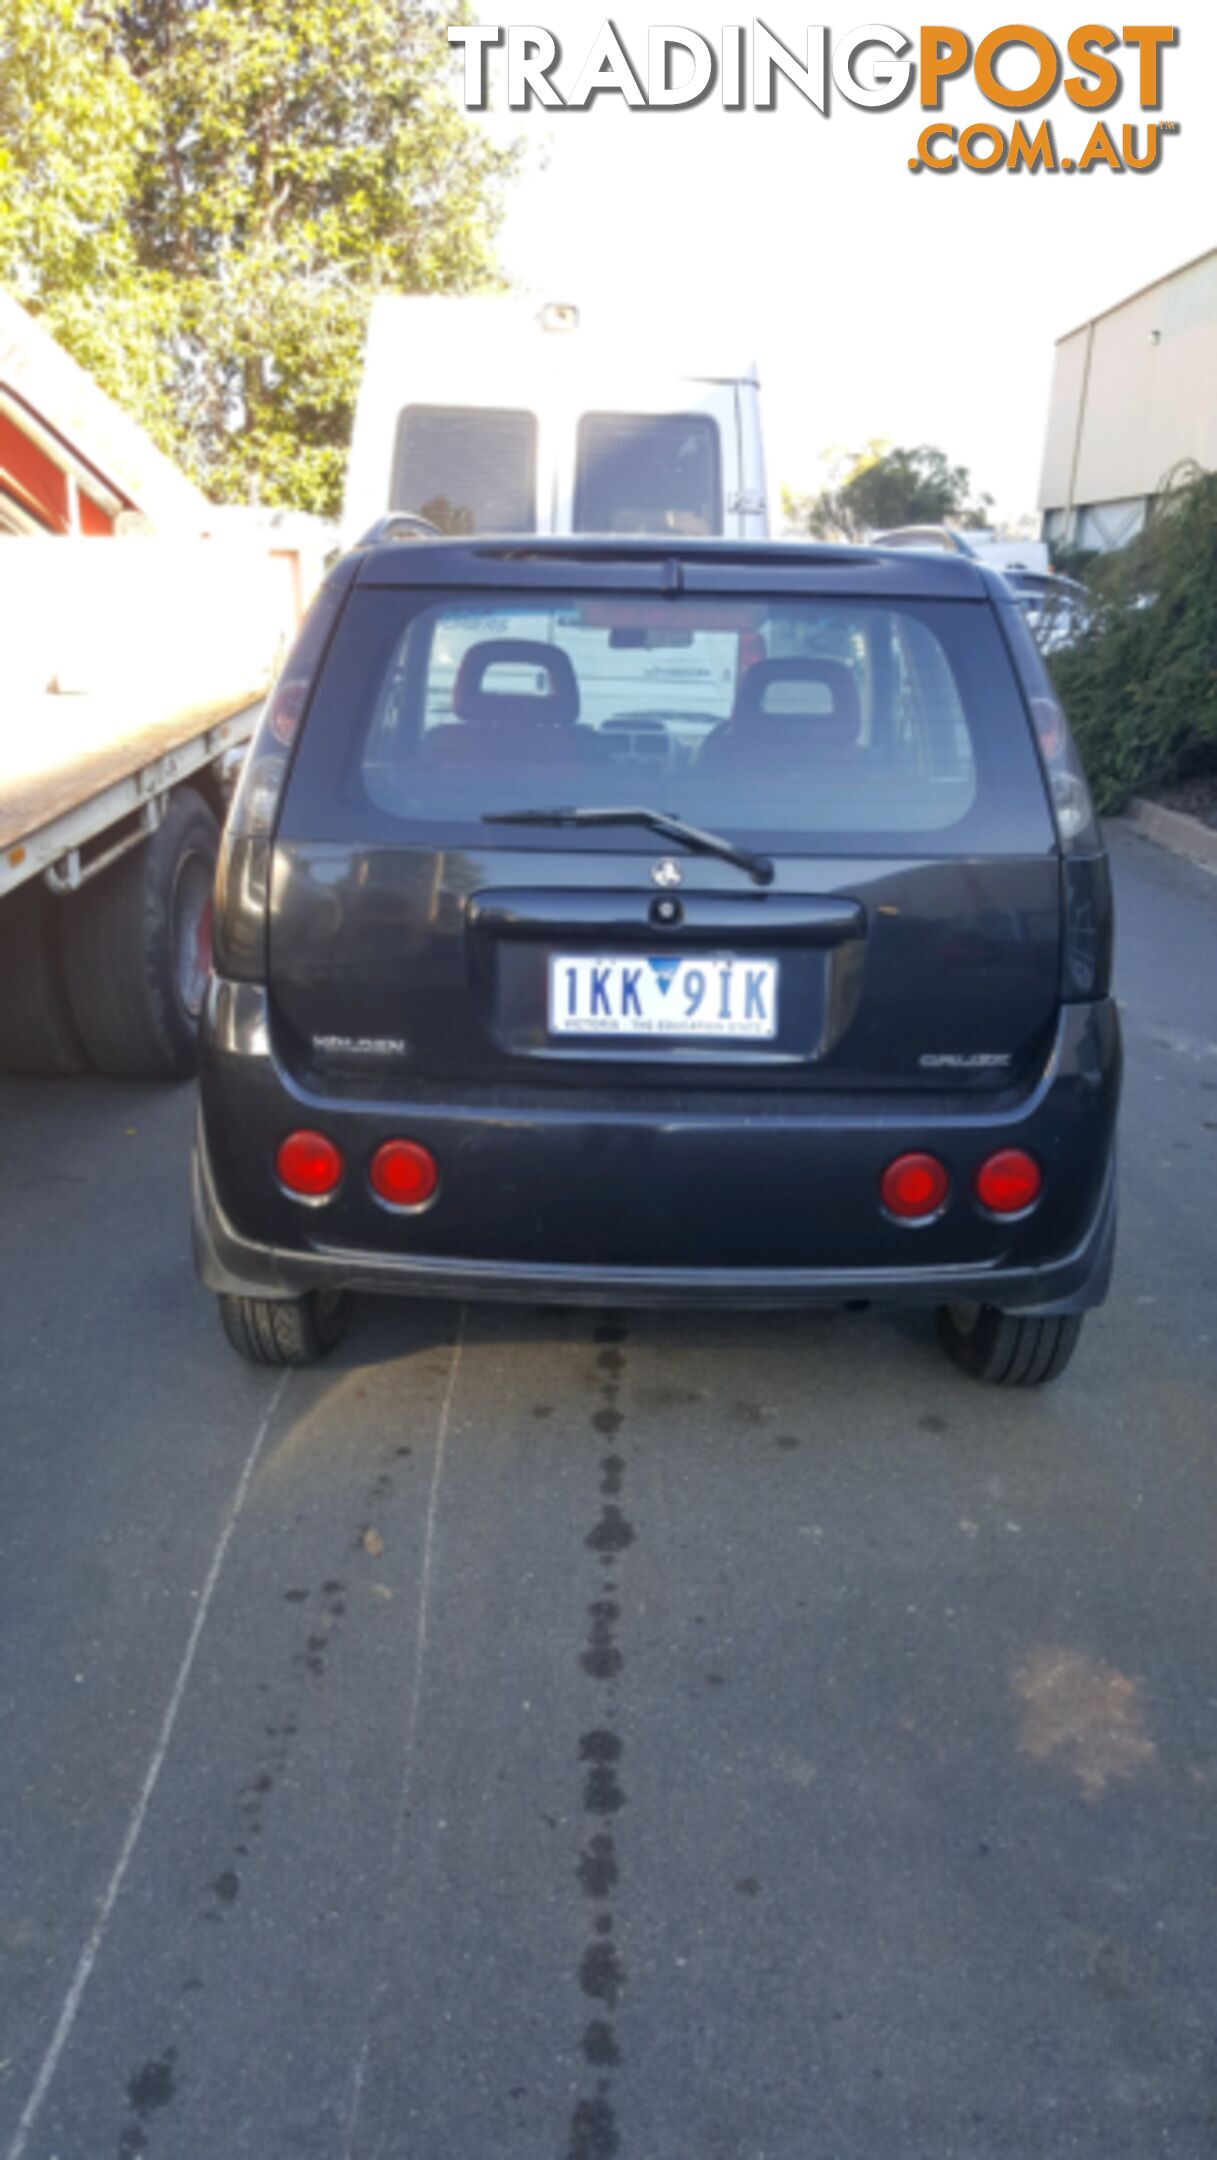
(130, 682)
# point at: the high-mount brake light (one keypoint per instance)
(914, 1188)
(631, 611)
(403, 1174)
(308, 1165)
(1009, 1182)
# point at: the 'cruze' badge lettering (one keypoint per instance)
(977, 1061)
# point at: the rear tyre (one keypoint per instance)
(1008, 1349)
(284, 1331)
(137, 948)
(37, 1032)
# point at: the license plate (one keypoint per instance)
(719, 996)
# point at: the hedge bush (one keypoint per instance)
(1140, 683)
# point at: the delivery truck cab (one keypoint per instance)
(501, 415)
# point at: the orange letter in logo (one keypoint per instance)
(1081, 43)
(1031, 150)
(993, 153)
(1153, 149)
(929, 156)
(1147, 38)
(943, 52)
(1100, 148)
(1016, 34)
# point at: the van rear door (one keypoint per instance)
(454, 417)
(657, 458)
(468, 468)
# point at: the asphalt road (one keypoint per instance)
(565, 1736)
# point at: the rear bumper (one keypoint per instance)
(530, 1212)
(228, 1262)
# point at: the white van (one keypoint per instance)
(502, 415)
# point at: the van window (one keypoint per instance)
(468, 470)
(638, 473)
(838, 722)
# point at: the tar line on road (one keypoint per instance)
(89, 1955)
(593, 2130)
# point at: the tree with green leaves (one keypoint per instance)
(201, 197)
(74, 129)
(875, 489)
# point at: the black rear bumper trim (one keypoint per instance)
(231, 1264)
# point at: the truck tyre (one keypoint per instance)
(37, 1032)
(1008, 1349)
(137, 948)
(284, 1331)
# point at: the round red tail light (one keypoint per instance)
(914, 1187)
(1009, 1182)
(403, 1173)
(309, 1165)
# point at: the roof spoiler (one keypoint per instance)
(399, 525)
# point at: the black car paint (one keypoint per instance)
(664, 1171)
(948, 946)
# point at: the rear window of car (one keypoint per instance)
(645, 473)
(842, 723)
(466, 470)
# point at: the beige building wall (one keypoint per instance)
(1064, 410)
(1134, 392)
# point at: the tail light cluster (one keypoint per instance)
(1085, 879)
(242, 894)
(402, 1173)
(1086, 907)
(915, 1188)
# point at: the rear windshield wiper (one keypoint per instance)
(758, 867)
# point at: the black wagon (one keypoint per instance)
(662, 922)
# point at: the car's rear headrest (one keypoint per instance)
(556, 707)
(836, 721)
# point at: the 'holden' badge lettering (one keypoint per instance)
(361, 1046)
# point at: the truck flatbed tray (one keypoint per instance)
(61, 754)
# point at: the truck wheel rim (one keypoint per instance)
(192, 933)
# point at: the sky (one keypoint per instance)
(879, 302)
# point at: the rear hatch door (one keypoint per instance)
(871, 743)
